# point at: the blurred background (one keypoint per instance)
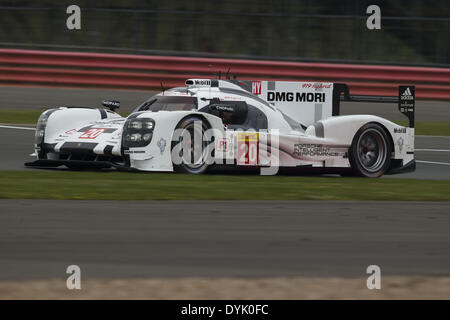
(412, 32)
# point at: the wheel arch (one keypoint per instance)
(198, 115)
(353, 162)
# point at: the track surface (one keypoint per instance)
(107, 239)
(17, 144)
(39, 98)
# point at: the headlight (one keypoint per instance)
(40, 129)
(135, 137)
(147, 137)
(135, 124)
(137, 132)
(149, 125)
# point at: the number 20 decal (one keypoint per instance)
(92, 133)
(247, 149)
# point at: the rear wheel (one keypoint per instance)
(370, 152)
(189, 155)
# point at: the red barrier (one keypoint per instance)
(138, 71)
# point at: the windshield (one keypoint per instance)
(158, 103)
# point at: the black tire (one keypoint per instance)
(370, 152)
(189, 163)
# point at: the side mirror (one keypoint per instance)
(111, 104)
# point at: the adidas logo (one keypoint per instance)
(407, 95)
(407, 92)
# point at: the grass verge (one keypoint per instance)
(168, 186)
(19, 116)
(429, 128)
(31, 117)
(8, 116)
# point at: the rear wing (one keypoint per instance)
(405, 100)
(309, 102)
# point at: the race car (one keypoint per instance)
(231, 123)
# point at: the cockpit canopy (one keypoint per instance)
(168, 103)
(234, 114)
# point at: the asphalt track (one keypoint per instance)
(108, 239)
(17, 144)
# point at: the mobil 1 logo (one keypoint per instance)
(406, 102)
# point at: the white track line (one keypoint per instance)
(433, 162)
(423, 136)
(20, 128)
(433, 150)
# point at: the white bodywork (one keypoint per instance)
(318, 139)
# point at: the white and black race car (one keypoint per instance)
(248, 124)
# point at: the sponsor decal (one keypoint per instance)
(202, 82)
(111, 103)
(223, 144)
(313, 150)
(248, 148)
(161, 145)
(407, 95)
(316, 85)
(400, 130)
(400, 143)
(276, 96)
(228, 98)
(224, 108)
(256, 87)
(70, 131)
(406, 102)
(92, 133)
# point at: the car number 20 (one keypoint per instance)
(247, 149)
(92, 133)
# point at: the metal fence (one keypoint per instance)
(412, 32)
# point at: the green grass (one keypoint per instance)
(19, 116)
(428, 128)
(8, 116)
(31, 117)
(159, 186)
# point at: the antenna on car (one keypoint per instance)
(162, 87)
(212, 70)
(228, 73)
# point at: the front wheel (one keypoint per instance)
(190, 148)
(370, 152)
